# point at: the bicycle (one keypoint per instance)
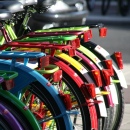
(12, 106)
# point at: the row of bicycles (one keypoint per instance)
(123, 6)
(57, 78)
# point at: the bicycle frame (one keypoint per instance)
(27, 76)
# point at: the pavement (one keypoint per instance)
(113, 17)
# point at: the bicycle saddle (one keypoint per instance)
(5, 15)
(11, 6)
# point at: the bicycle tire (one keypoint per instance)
(103, 122)
(81, 100)
(37, 89)
(124, 6)
(86, 79)
(119, 108)
(10, 119)
(65, 70)
(17, 114)
(90, 4)
(116, 119)
(105, 6)
(3, 124)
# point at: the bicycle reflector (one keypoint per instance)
(97, 77)
(106, 76)
(108, 64)
(66, 98)
(119, 60)
(87, 35)
(103, 32)
(8, 84)
(43, 61)
(57, 76)
(88, 90)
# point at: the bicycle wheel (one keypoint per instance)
(4, 124)
(118, 108)
(10, 119)
(90, 4)
(16, 113)
(41, 96)
(124, 6)
(82, 120)
(90, 66)
(105, 6)
(74, 77)
(104, 122)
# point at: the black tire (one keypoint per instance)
(108, 120)
(104, 123)
(3, 124)
(82, 76)
(100, 120)
(105, 6)
(118, 113)
(39, 91)
(76, 92)
(124, 6)
(90, 4)
(16, 113)
(86, 122)
(119, 108)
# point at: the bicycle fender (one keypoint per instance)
(82, 70)
(119, 73)
(27, 113)
(97, 62)
(103, 112)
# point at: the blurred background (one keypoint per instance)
(114, 14)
